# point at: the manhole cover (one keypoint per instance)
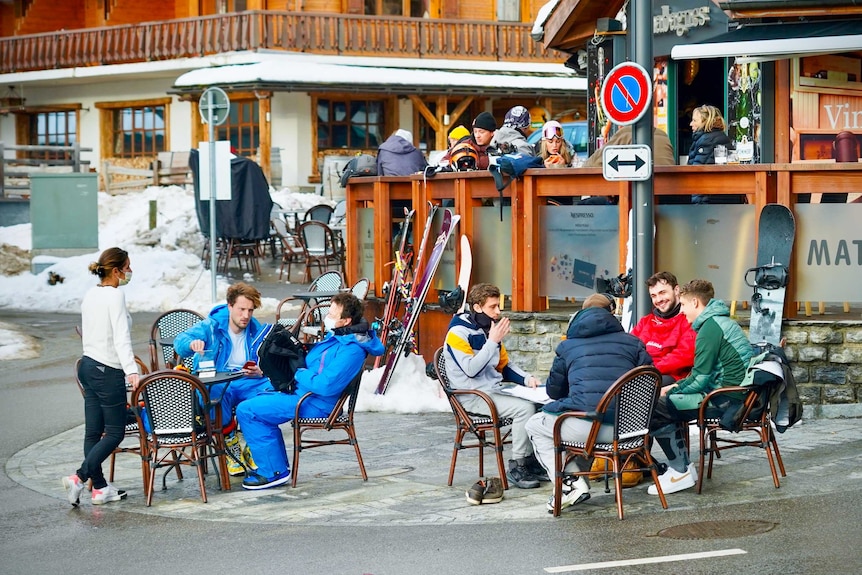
(717, 529)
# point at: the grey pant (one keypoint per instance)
(540, 429)
(520, 410)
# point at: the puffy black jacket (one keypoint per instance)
(595, 354)
(703, 145)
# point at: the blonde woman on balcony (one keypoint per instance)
(708, 127)
(553, 149)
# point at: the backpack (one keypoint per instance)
(361, 165)
(280, 355)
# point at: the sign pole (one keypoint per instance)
(212, 168)
(640, 36)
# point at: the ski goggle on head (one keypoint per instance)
(549, 132)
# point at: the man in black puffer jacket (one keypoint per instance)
(596, 352)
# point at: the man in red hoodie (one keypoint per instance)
(667, 334)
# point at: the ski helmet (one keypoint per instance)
(464, 156)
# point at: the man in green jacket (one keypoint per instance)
(721, 354)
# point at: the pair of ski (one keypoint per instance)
(398, 335)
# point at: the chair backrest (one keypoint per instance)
(280, 227)
(165, 328)
(440, 369)
(317, 238)
(329, 281)
(174, 404)
(360, 288)
(349, 396)
(633, 395)
(339, 214)
(320, 212)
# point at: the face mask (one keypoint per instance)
(127, 278)
(481, 319)
(329, 323)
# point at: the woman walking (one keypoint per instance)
(107, 363)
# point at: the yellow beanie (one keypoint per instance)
(459, 132)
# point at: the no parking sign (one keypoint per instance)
(626, 93)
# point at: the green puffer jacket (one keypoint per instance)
(721, 352)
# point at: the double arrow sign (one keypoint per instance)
(633, 162)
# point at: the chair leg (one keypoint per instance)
(481, 437)
(198, 461)
(558, 481)
(459, 436)
(355, 444)
(297, 447)
(501, 465)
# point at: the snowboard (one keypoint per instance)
(413, 305)
(769, 278)
(465, 270)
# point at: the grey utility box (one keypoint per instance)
(64, 215)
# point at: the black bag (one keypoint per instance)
(361, 165)
(280, 355)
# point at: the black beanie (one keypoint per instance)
(485, 121)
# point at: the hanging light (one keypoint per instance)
(692, 67)
(11, 99)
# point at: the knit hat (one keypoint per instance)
(600, 300)
(459, 132)
(485, 121)
(518, 118)
(404, 134)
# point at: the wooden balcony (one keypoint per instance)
(337, 34)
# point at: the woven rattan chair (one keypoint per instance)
(633, 396)
(480, 426)
(175, 426)
(321, 247)
(339, 419)
(328, 282)
(165, 328)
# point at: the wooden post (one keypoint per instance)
(106, 174)
(2, 175)
(153, 213)
(156, 166)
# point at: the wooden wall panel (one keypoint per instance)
(806, 111)
(328, 6)
(477, 10)
(841, 108)
(7, 20)
(135, 11)
(50, 15)
(279, 5)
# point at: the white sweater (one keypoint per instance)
(105, 329)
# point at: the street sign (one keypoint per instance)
(626, 93)
(214, 106)
(632, 163)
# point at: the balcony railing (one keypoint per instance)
(338, 34)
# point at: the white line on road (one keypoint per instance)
(645, 560)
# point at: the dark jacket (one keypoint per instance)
(398, 157)
(596, 352)
(703, 145)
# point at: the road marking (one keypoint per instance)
(645, 560)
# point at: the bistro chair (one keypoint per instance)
(339, 214)
(480, 426)
(319, 213)
(321, 247)
(339, 419)
(328, 282)
(291, 250)
(360, 288)
(633, 396)
(754, 417)
(165, 328)
(174, 424)
(130, 431)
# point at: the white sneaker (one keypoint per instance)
(74, 487)
(673, 480)
(574, 492)
(107, 494)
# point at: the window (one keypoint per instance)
(58, 128)
(138, 131)
(242, 127)
(413, 8)
(352, 124)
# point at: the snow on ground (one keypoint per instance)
(168, 273)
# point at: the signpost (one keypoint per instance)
(632, 162)
(214, 108)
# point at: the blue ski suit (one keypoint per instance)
(331, 365)
(213, 331)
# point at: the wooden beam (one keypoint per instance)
(459, 110)
(419, 105)
(440, 141)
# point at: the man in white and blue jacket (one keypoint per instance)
(330, 367)
(477, 359)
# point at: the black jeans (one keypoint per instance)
(104, 416)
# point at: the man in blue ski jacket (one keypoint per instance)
(233, 337)
(330, 366)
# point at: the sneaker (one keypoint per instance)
(673, 480)
(107, 494)
(519, 475)
(536, 469)
(476, 493)
(574, 491)
(493, 490)
(247, 459)
(234, 456)
(260, 482)
(74, 487)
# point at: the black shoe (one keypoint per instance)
(536, 468)
(519, 475)
(256, 481)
